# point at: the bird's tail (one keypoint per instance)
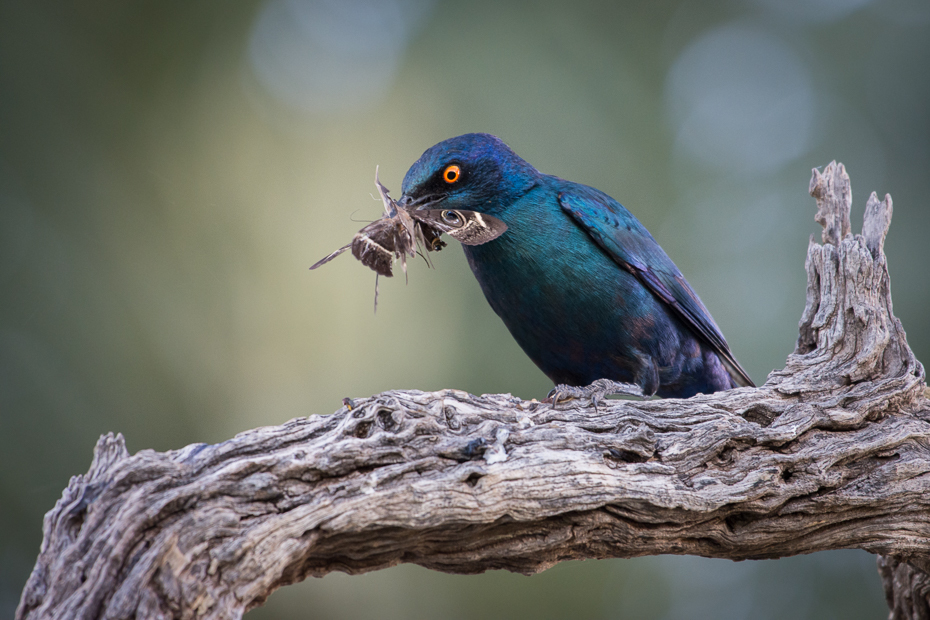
(738, 376)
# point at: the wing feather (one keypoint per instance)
(631, 246)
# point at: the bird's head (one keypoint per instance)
(475, 172)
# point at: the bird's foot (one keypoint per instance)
(595, 392)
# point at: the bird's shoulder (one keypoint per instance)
(613, 227)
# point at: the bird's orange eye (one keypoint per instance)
(452, 173)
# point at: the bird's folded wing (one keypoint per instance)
(631, 246)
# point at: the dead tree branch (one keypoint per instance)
(830, 453)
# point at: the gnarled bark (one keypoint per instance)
(830, 453)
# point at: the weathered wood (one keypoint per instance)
(907, 588)
(830, 453)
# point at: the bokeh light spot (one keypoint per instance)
(740, 99)
(813, 11)
(332, 55)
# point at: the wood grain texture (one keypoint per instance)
(831, 452)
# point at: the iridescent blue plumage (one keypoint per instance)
(579, 282)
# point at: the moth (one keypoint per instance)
(404, 228)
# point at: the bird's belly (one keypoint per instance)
(580, 317)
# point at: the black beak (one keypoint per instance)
(423, 202)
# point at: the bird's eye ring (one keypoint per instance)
(451, 174)
(452, 218)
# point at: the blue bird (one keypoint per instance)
(582, 286)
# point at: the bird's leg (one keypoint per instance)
(595, 392)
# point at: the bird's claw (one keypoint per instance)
(594, 393)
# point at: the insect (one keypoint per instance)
(403, 229)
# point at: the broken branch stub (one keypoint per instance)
(833, 193)
(829, 453)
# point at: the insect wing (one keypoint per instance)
(390, 207)
(467, 227)
(374, 246)
(326, 259)
(404, 233)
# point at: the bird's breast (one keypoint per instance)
(568, 305)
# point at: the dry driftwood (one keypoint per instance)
(830, 453)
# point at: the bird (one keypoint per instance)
(583, 287)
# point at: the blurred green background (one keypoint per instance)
(170, 169)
